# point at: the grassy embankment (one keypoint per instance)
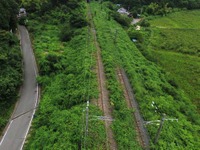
(10, 74)
(68, 80)
(175, 45)
(150, 84)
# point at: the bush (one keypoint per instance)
(145, 23)
(66, 33)
(133, 34)
(23, 20)
(123, 20)
(78, 21)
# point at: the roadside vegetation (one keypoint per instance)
(10, 61)
(66, 59)
(151, 84)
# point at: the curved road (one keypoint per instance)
(18, 127)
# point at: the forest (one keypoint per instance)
(190, 4)
(157, 7)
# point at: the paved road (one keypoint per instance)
(14, 136)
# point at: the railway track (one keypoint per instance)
(103, 100)
(142, 135)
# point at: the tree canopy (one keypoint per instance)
(189, 4)
(9, 10)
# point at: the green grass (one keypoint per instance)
(178, 40)
(182, 19)
(177, 50)
(150, 83)
(185, 69)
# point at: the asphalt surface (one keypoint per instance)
(18, 127)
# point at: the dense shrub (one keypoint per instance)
(77, 20)
(66, 33)
(144, 23)
(121, 19)
(8, 18)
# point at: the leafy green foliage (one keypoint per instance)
(160, 5)
(121, 19)
(66, 33)
(145, 23)
(23, 20)
(9, 10)
(43, 6)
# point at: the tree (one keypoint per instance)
(9, 9)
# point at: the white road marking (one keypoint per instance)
(36, 99)
(24, 139)
(6, 132)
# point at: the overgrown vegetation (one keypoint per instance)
(67, 78)
(10, 61)
(150, 84)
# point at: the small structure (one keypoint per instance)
(22, 12)
(123, 11)
(135, 21)
(137, 28)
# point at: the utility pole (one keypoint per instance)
(86, 124)
(160, 128)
